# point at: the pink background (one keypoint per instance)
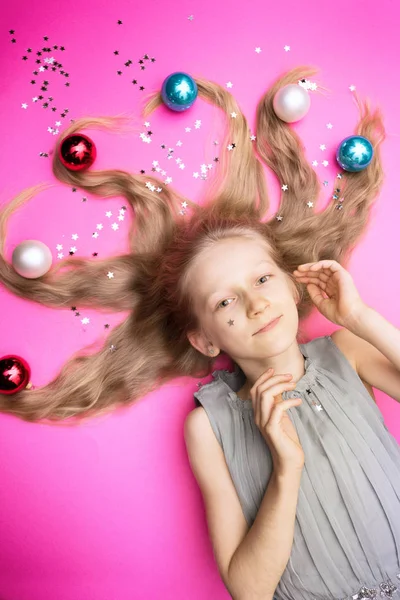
(110, 510)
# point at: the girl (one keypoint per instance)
(302, 496)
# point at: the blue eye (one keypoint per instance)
(219, 305)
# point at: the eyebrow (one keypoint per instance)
(207, 298)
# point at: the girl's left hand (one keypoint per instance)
(332, 290)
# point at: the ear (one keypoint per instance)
(200, 342)
(296, 294)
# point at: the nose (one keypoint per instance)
(257, 305)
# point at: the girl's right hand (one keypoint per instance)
(273, 422)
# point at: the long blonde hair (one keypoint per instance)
(150, 346)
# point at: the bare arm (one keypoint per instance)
(251, 560)
(261, 558)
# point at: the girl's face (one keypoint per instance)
(236, 290)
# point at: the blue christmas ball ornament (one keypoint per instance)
(354, 153)
(179, 91)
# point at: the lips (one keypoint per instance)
(269, 325)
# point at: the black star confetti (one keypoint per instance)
(53, 66)
(129, 62)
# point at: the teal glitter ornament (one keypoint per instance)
(354, 153)
(179, 91)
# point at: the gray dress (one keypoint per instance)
(346, 541)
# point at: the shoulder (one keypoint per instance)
(199, 434)
(344, 340)
(348, 344)
(196, 422)
(196, 415)
(340, 341)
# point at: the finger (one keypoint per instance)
(270, 387)
(317, 295)
(270, 382)
(253, 390)
(264, 382)
(312, 278)
(316, 282)
(257, 390)
(268, 400)
(331, 265)
(323, 274)
(263, 388)
(280, 408)
(266, 374)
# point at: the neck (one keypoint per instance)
(292, 362)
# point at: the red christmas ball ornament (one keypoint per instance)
(77, 152)
(14, 374)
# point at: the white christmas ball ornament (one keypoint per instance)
(291, 103)
(31, 259)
